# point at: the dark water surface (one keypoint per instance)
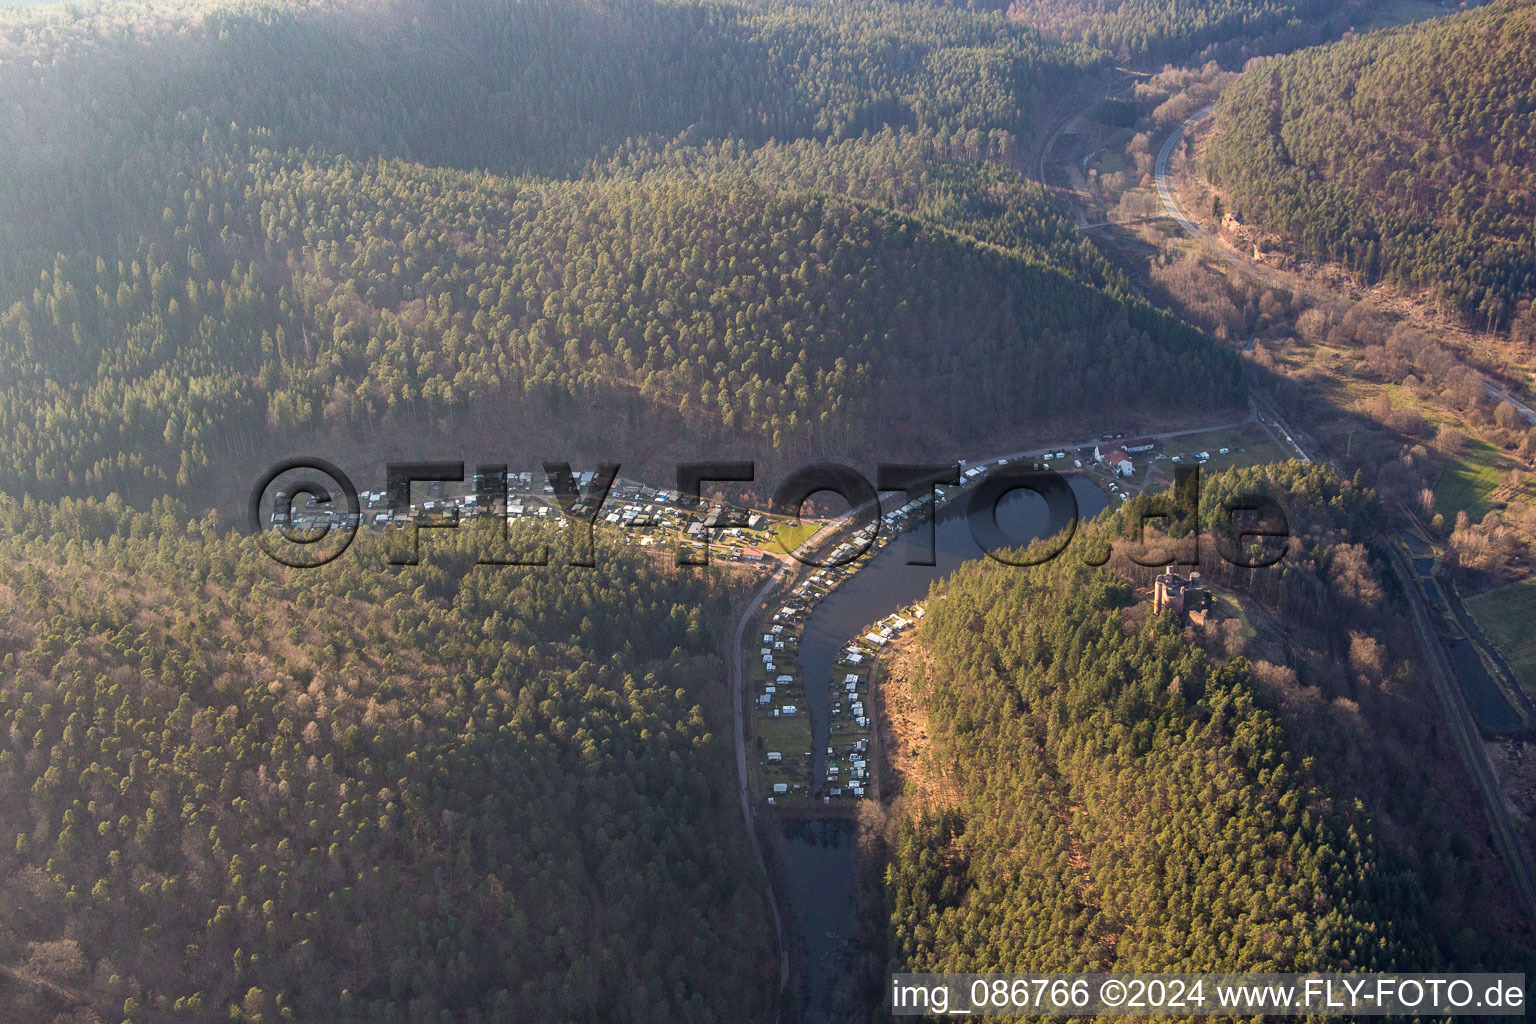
(820, 854)
(1489, 705)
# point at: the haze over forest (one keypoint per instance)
(651, 232)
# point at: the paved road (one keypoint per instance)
(1459, 718)
(739, 645)
(1138, 437)
(743, 783)
(1165, 191)
(847, 518)
(1498, 394)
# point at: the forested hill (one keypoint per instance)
(1408, 156)
(290, 297)
(107, 96)
(372, 794)
(217, 247)
(1154, 31)
(1126, 805)
(1137, 793)
(957, 182)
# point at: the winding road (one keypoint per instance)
(1042, 159)
(1091, 442)
(1165, 190)
(1271, 418)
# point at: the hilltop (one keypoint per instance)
(244, 229)
(1243, 789)
(1408, 156)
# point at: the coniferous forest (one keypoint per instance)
(1137, 794)
(227, 236)
(1408, 156)
(1183, 30)
(426, 794)
(229, 229)
(654, 231)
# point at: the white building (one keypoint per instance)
(1118, 461)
